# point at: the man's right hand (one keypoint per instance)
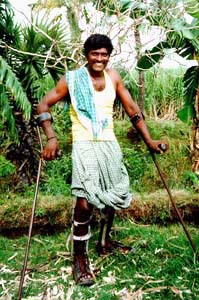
(50, 150)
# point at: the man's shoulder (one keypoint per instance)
(113, 74)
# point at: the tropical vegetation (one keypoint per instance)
(33, 56)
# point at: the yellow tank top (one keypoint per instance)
(104, 101)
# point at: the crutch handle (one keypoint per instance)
(59, 153)
(163, 147)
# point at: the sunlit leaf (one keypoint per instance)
(192, 7)
(186, 113)
(151, 57)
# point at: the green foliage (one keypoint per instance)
(57, 176)
(151, 57)
(136, 163)
(6, 167)
(42, 86)
(49, 4)
(190, 180)
(10, 87)
(191, 84)
(73, 22)
(13, 85)
(9, 31)
(142, 171)
(184, 38)
(30, 60)
(192, 7)
(163, 90)
(7, 117)
(36, 66)
(131, 8)
(62, 124)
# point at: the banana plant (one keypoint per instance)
(184, 38)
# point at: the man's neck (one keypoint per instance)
(95, 74)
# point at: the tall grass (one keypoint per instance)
(163, 91)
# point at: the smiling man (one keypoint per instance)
(99, 177)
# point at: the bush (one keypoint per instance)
(190, 180)
(56, 178)
(136, 164)
(6, 167)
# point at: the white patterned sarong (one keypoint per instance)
(99, 174)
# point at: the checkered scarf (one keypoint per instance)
(81, 93)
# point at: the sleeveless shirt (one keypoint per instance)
(104, 101)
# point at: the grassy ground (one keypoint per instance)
(162, 267)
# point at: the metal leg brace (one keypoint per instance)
(81, 265)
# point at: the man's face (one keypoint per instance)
(98, 59)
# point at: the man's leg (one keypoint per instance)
(105, 245)
(81, 234)
(107, 217)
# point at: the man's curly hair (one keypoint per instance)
(98, 41)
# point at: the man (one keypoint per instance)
(99, 177)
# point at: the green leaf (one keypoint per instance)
(13, 86)
(192, 7)
(7, 114)
(191, 84)
(122, 6)
(6, 167)
(186, 113)
(151, 57)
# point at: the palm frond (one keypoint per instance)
(7, 114)
(13, 86)
(45, 37)
(9, 31)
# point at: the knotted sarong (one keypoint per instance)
(99, 174)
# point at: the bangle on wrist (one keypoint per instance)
(50, 138)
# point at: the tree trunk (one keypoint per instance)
(195, 137)
(141, 101)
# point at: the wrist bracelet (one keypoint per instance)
(50, 138)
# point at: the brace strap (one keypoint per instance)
(83, 237)
(76, 223)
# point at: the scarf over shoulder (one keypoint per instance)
(81, 94)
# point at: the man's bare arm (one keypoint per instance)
(133, 109)
(50, 99)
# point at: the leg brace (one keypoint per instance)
(80, 242)
(107, 217)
